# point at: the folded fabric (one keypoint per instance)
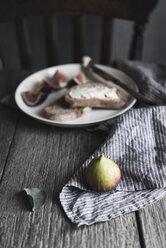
(137, 143)
(150, 78)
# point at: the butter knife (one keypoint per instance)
(87, 63)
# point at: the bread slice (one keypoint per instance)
(96, 95)
(60, 111)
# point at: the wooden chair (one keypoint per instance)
(133, 10)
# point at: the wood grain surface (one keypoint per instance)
(137, 10)
(153, 225)
(7, 131)
(37, 155)
(19, 12)
(46, 157)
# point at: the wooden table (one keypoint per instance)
(36, 155)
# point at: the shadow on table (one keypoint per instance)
(23, 201)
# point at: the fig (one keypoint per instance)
(59, 80)
(45, 86)
(77, 80)
(33, 98)
(80, 79)
(102, 174)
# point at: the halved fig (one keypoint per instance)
(80, 79)
(77, 80)
(59, 80)
(45, 86)
(33, 98)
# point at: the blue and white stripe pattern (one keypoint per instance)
(137, 143)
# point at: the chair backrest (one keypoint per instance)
(134, 10)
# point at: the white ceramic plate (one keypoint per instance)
(70, 70)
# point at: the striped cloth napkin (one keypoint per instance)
(137, 143)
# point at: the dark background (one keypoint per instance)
(154, 42)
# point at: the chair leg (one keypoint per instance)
(23, 44)
(106, 40)
(2, 62)
(51, 40)
(78, 38)
(137, 42)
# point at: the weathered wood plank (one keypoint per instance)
(9, 117)
(127, 9)
(47, 157)
(10, 79)
(152, 221)
(7, 130)
(8, 120)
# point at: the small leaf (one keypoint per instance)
(36, 197)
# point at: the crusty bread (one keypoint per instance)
(60, 111)
(118, 100)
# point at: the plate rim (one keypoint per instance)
(73, 125)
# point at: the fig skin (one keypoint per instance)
(33, 98)
(102, 174)
(59, 80)
(46, 87)
(77, 80)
